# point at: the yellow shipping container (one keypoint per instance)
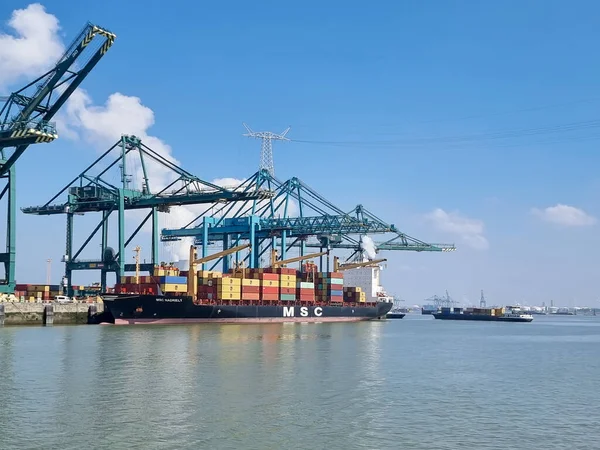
(173, 287)
(288, 278)
(362, 297)
(215, 275)
(229, 282)
(271, 283)
(229, 289)
(229, 296)
(250, 282)
(287, 284)
(39, 288)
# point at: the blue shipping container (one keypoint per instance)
(172, 280)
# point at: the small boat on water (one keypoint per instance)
(397, 311)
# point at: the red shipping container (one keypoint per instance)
(305, 291)
(269, 276)
(250, 289)
(269, 290)
(269, 297)
(287, 291)
(307, 298)
(251, 297)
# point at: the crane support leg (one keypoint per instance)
(204, 239)
(69, 255)
(226, 258)
(253, 257)
(155, 236)
(103, 272)
(283, 244)
(302, 250)
(8, 258)
(121, 233)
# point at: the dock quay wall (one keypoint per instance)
(25, 313)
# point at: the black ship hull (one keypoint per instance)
(157, 309)
(481, 317)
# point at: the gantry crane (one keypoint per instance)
(94, 191)
(270, 223)
(25, 119)
(192, 279)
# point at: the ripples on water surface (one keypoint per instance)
(416, 383)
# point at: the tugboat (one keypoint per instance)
(397, 312)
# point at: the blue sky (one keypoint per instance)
(430, 99)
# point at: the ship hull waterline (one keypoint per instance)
(152, 309)
(481, 318)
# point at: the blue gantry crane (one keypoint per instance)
(397, 241)
(94, 190)
(296, 216)
(25, 119)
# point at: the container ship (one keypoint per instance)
(429, 309)
(274, 294)
(507, 314)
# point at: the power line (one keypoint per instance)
(459, 139)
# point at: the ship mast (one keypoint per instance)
(137, 264)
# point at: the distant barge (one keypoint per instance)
(507, 314)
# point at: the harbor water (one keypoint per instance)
(415, 383)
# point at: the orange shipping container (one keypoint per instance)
(287, 291)
(250, 289)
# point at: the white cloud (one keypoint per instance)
(565, 215)
(33, 46)
(470, 231)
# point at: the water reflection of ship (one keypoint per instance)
(436, 303)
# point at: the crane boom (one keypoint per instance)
(192, 280)
(284, 262)
(24, 119)
(337, 267)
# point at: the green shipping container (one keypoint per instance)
(287, 297)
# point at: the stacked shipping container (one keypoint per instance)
(354, 295)
(330, 287)
(47, 292)
(252, 285)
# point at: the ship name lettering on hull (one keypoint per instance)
(170, 300)
(290, 311)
